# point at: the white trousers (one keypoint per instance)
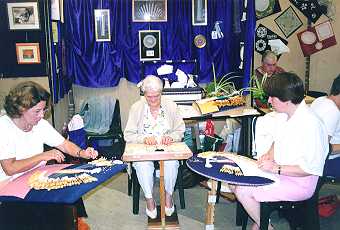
(145, 170)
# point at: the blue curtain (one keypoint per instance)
(102, 64)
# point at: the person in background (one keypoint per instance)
(327, 108)
(269, 65)
(24, 131)
(296, 157)
(154, 120)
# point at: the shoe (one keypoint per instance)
(82, 225)
(169, 211)
(152, 214)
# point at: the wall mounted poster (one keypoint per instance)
(199, 12)
(265, 8)
(28, 53)
(23, 15)
(149, 45)
(317, 38)
(149, 10)
(102, 25)
(288, 22)
(262, 37)
(311, 8)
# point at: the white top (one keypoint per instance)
(302, 140)
(15, 143)
(265, 130)
(329, 113)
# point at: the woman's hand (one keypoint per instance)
(150, 140)
(53, 154)
(268, 165)
(89, 153)
(166, 140)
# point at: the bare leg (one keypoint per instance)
(150, 203)
(168, 200)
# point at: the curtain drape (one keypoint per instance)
(102, 64)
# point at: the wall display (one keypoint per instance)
(102, 25)
(316, 38)
(149, 10)
(288, 22)
(200, 41)
(28, 53)
(262, 37)
(265, 8)
(23, 15)
(311, 8)
(199, 12)
(149, 45)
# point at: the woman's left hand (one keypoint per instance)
(166, 140)
(89, 153)
(268, 165)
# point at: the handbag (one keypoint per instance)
(327, 205)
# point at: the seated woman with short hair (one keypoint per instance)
(155, 120)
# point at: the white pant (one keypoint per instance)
(145, 169)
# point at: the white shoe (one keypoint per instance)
(152, 214)
(169, 211)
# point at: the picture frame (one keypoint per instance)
(28, 53)
(288, 21)
(102, 25)
(23, 15)
(149, 45)
(199, 13)
(149, 11)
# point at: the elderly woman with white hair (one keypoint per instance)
(155, 120)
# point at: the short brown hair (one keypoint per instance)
(286, 86)
(24, 96)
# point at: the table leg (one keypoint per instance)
(162, 191)
(210, 211)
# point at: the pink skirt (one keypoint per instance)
(288, 188)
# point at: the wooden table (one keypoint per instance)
(141, 152)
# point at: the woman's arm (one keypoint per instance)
(287, 170)
(13, 166)
(74, 150)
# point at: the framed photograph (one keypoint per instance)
(23, 16)
(102, 25)
(199, 13)
(149, 45)
(288, 21)
(28, 53)
(149, 10)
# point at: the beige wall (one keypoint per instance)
(325, 65)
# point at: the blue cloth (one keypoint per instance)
(102, 64)
(67, 195)
(332, 168)
(97, 113)
(197, 164)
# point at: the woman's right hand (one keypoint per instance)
(53, 154)
(150, 140)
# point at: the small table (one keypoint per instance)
(17, 192)
(142, 152)
(225, 167)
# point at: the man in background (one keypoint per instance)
(269, 65)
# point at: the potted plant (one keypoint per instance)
(256, 89)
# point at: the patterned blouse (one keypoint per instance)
(155, 127)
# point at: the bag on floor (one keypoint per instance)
(327, 205)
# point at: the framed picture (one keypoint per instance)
(149, 10)
(199, 13)
(55, 10)
(288, 21)
(102, 25)
(23, 16)
(149, 45)
(28, 53)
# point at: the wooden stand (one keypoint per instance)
(210, 211)
(171, 222)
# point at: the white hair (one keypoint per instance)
(152, 83)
